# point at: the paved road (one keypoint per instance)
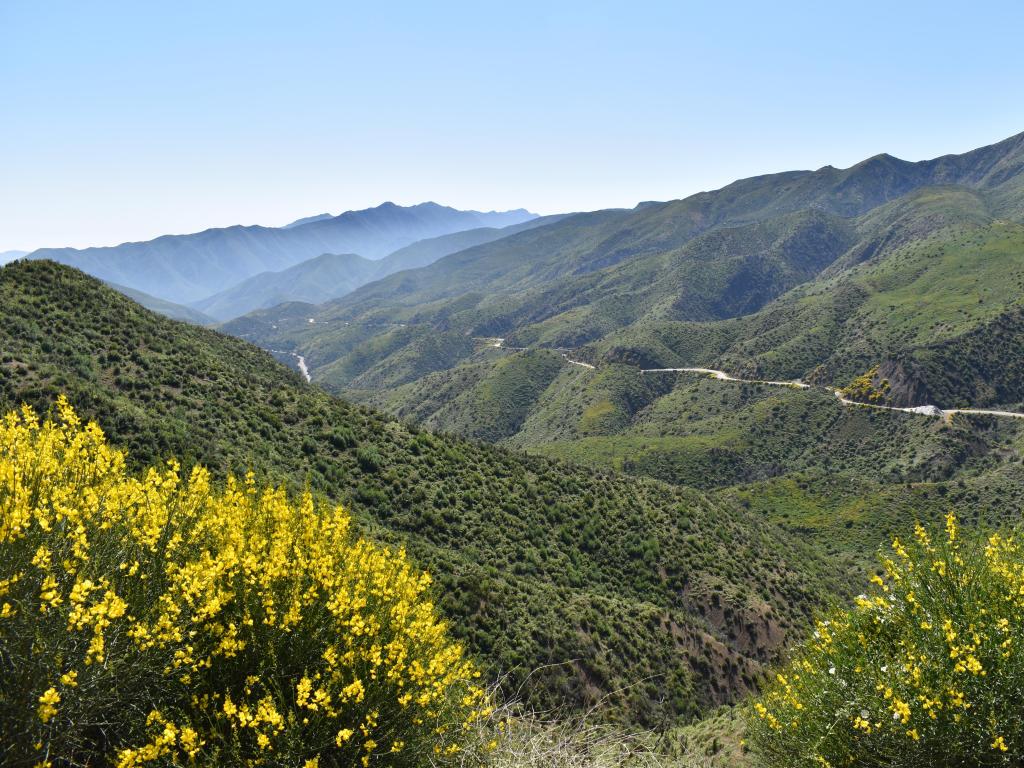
(723, 376)
(923, 410)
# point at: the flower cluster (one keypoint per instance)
(930, 662)
(155, 619)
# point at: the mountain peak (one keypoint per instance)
(882, 159)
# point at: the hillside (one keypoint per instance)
(313, 281)
(611, 279)
(657, 597)
(331, 276)
(588, 242)
(425, 252)
(884, 273)
(920, 293)
(186, 268)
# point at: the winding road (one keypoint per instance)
(922, 410)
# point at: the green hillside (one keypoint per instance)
(656, 597)
(878, 262)
(486, 400)
(589, 242)
(920, 289)
(649, 537)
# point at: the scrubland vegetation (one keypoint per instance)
(154, 619)
(535, 561)
(926, 669)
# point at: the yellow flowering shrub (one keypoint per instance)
(927, 669)
(156, 620)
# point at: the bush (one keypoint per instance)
(531, 740)
(154, 621)
(926, 670)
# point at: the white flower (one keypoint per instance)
(831, 670)
(864, 714)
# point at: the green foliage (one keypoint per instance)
(536, 562)
(153, 619)
(923, 291)
(925, 670)
(929, 293)
(847, 516)
(715, 741)
(713, 434)
(865, 389)
(486, 401)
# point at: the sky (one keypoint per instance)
(122, 121)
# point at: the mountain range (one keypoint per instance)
(333, 275)
(898, 282)
(187, 268)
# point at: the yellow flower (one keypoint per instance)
(951, 528)
(343, 735)
(48, 705)
(177, 575)
(901, 710)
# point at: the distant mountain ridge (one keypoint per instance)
(186, 268)
(331, 276)
(308, 220)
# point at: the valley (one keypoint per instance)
(831, 330)
(638, 450)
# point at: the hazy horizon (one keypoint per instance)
(136, 121)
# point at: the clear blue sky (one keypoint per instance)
(125, 120)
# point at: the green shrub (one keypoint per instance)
(926, 670)
(155, 621)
